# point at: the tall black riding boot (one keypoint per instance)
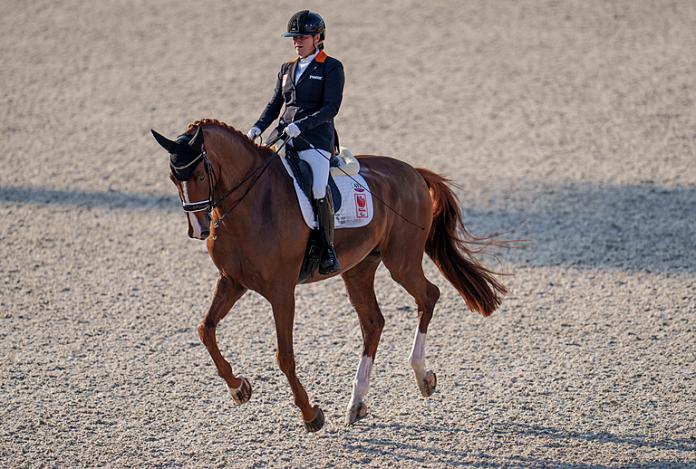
(328, 262)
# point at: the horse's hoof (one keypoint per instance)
(242, 394)
(318, 421)
(356, 412)
(428, 383)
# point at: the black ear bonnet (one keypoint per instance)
(186, 158)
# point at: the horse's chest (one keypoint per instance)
(225, 255)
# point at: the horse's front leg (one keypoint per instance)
(226, 293)
(284, 316)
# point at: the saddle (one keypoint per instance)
(303, 174)
(357, 209)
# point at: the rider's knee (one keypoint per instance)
(319, 192)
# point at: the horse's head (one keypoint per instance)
(191, 173)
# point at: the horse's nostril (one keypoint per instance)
(204, 234)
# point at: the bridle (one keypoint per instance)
(211, 202)
(191, 207)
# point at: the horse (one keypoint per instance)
(239, 197)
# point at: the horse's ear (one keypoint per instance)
(164, 142)
(197, 139)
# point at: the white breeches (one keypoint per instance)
(320, 169)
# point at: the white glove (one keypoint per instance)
(292, 130)
(253, 133)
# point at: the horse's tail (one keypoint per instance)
(447, 247)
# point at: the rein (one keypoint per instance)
(212, 203)
(260, 170)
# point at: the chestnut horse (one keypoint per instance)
(239, 197)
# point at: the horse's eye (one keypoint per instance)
(201, 178)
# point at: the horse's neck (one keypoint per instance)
(243, 169)
(235, 160)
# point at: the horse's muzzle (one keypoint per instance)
(203, 235)
(197, 228)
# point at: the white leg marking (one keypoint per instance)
(425, 378)
(361, 384)
(417, 357)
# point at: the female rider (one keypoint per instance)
(311, 87)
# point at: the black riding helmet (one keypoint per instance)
(305, 22)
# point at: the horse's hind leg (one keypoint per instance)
(426, 379)
(360, 286)
(406, 268)
(227, 292)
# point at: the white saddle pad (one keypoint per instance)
(356, 206)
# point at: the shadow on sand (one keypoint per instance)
(422, 453)
(639, 227)
(115, 200)
(640, 441)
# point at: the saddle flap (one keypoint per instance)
(304, 177)
(356, 208)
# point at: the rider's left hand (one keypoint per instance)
(253, 133)
(292, 130)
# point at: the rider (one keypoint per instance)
(311, 86)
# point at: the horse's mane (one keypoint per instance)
(214, 122)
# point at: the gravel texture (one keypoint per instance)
(568, 124)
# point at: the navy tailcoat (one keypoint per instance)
(311, 103)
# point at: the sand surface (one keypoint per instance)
(571, 124)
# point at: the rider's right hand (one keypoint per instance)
(253, 133)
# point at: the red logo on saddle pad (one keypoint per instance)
(361, 206)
